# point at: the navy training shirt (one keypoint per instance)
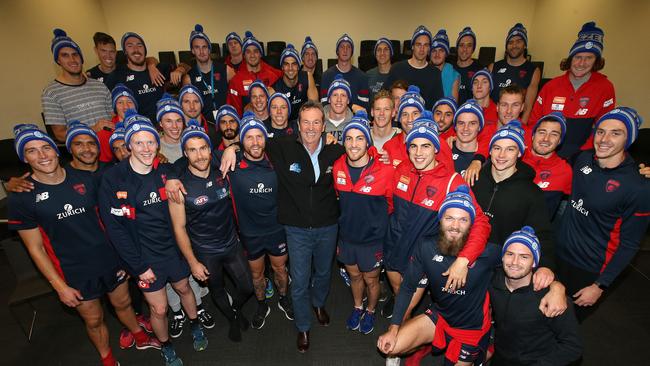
(209, 213)
(144, 91)
(297, 94)
(66, 215)
(462, 309)
(254, 187)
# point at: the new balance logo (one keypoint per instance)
(586, 169)
(42, 196)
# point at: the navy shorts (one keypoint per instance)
(468, 352)
(366, 257)
(97, 286)
(274, 244)
(171, 270)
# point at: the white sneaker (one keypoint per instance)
(392, 361)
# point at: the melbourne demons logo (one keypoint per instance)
(612, 185)
(80, 188)
(431, 191)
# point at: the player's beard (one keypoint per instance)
(449, 246)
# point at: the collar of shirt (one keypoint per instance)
(314, 159)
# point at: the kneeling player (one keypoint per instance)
(460, 319)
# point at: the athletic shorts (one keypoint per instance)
(366, 257)
(97, 286)
(468, 352)
(274, 244)
(171, 270)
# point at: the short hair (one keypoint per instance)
(310, 104)
(103, 38)
(399, 84)
(382, 94)
(513, 89)
(565, 64)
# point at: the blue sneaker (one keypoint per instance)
(200, 342)
(354, 319)
(169, 354)
(269, 292)
(367, 322)
(346, 277)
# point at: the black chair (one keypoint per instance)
(639, 149)
(367, 62)
(452, 56)
(186, 57)
(224, 50)
(486, 55)
(539, 64)
(543, 82)
(30, 284)
(331, 62)
(167, 57)
(120, 58)
(273, 60)
(407, 50)
(216, 52)
(276, 47)
(367, 48)
(397, 51)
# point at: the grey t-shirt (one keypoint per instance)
(171, 151)
(376, 81)
(86, 103)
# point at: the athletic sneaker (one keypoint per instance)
(150, 342)
(384, 292)
(177, 323)
(354, 319)
(367, 322)
(170, 357)
(126, 339)
(144, 322)
(205, 318)
(244, 324)
(345, 276)
(286, 306)
(199, 341)
(259, 318)
(387, 310)
(392, 361)
(269, 291)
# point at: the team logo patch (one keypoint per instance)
(120, 275)
(201, 200)
(431, 191)
(217, 76)
(369, 178)
(396, 162)
(612, 185)
(80, 188)
(299, 88)
(545, 174)
(583, 101)
(289, 131)
(522, 74)
(470, 74)
(143, 284)
(295, 167)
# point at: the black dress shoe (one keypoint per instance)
(322, 316)
(303, 342)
